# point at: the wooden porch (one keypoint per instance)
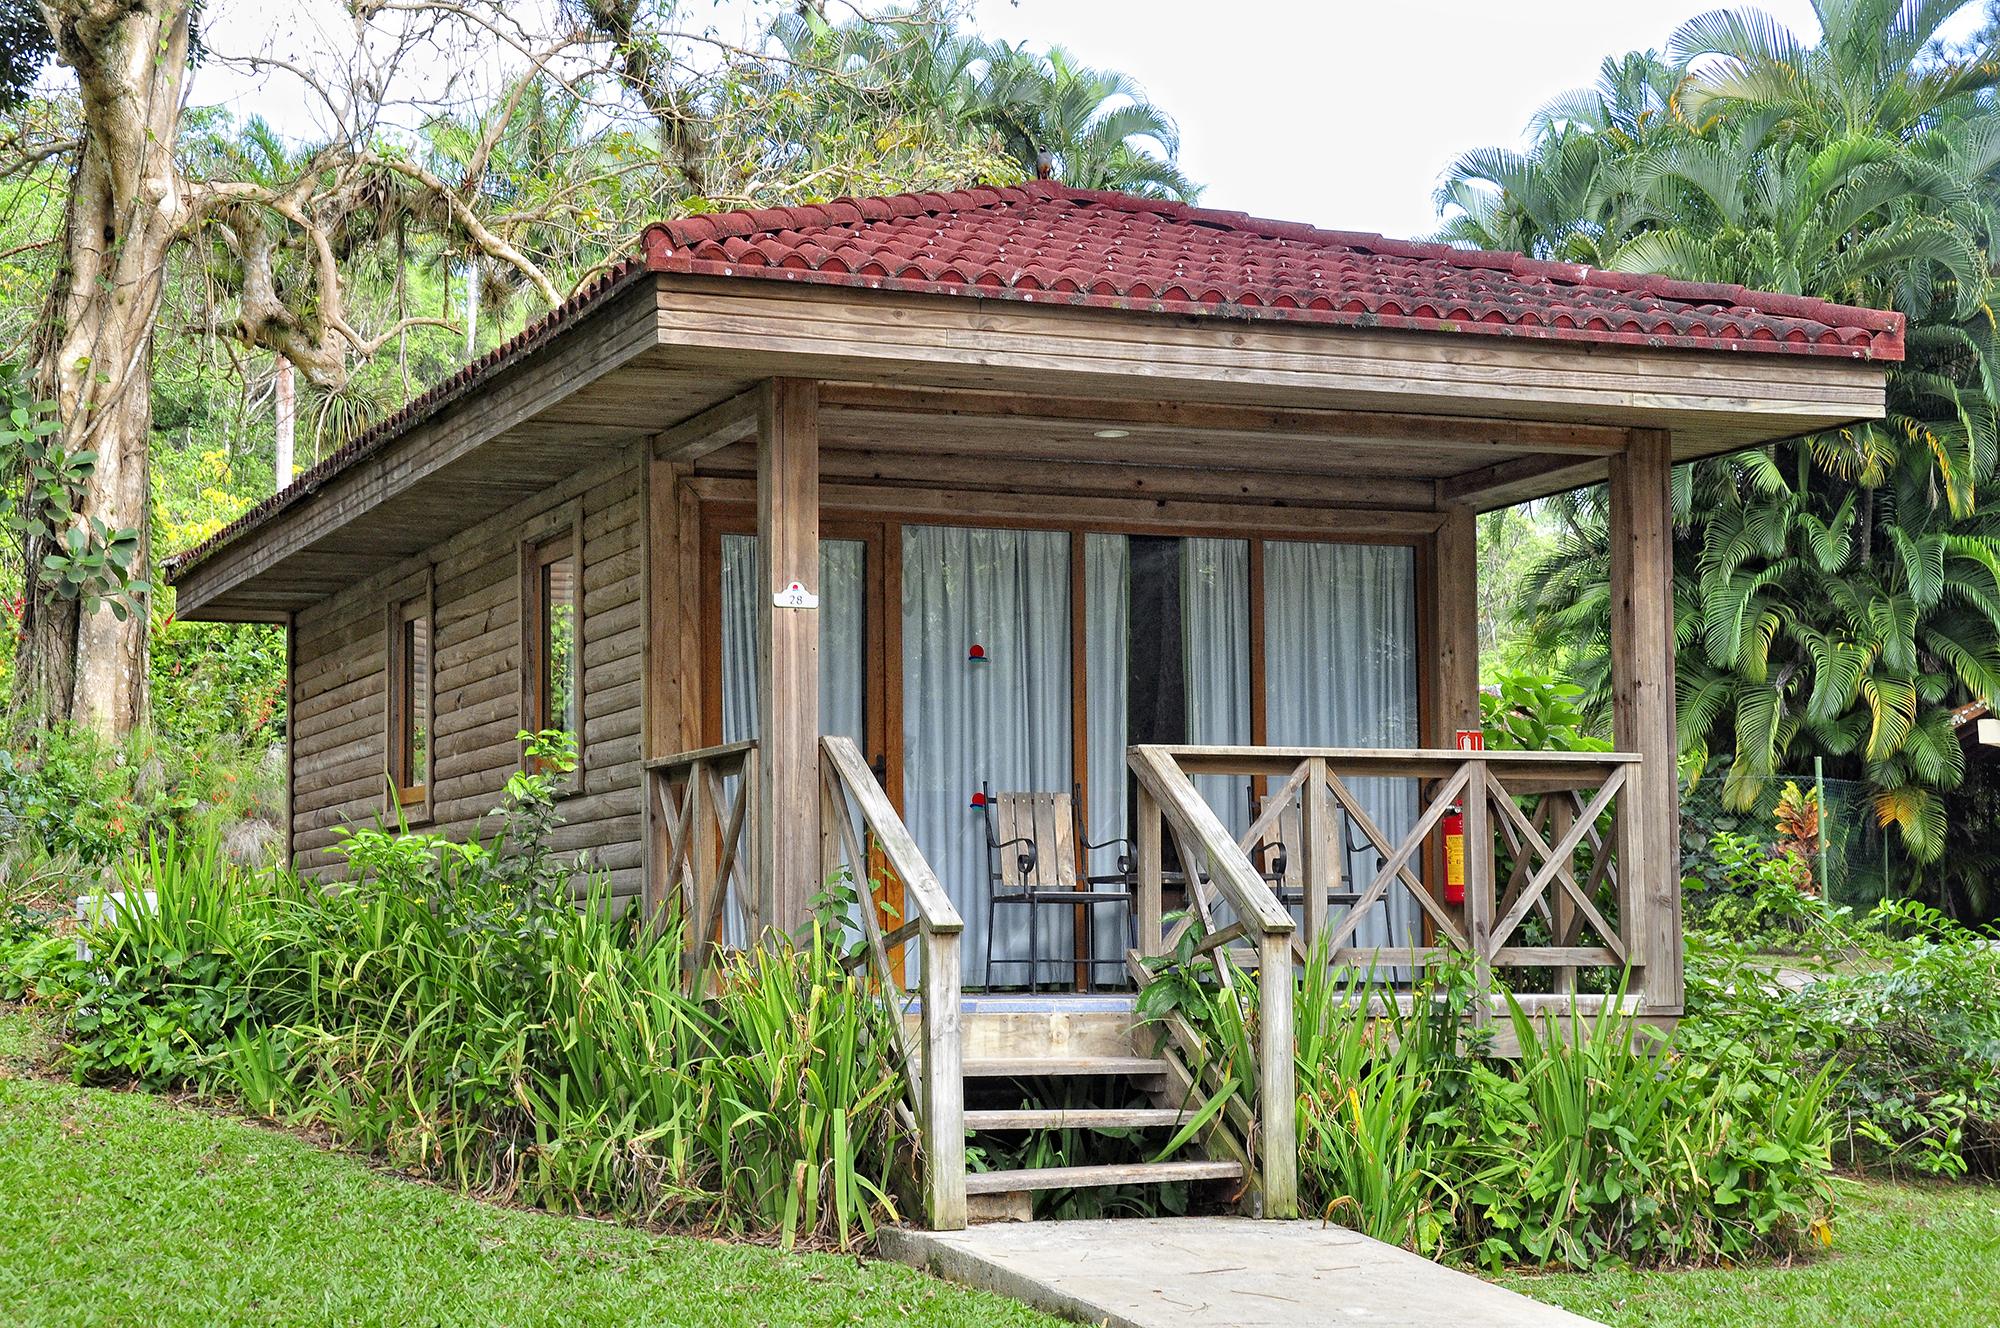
(1571, 858)
(1536, 850)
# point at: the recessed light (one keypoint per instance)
(1114, 433)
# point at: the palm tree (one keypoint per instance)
(1837, 595)
(1091, 128)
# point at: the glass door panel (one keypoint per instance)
(1340, 667)
(986, 701)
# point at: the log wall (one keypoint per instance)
(340, 688)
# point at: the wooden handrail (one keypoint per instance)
(1164, 791)
(1197, 823)
(728, 753)
(920, 883)
(1567, 792)
(933, 1071)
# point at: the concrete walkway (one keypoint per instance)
(1208, 1272)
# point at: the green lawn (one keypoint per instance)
(1924, 1255)
(122, 1208)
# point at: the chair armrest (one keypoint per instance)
(1124, 859)
(1024, 861)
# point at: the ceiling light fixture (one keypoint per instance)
(1114, 433)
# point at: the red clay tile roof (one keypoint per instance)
(1050, 244)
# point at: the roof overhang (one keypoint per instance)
(1400, 418)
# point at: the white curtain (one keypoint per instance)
(1340, 671)
(1215, 626)
(1107, 647)
(1001, 718)
(843, 605)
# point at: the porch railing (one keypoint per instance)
(855, 813)
(1549, 859)
(699, 837)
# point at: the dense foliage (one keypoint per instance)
(456, 1011)
(1840, 594)
(1598, 1143)
(1904, 1004)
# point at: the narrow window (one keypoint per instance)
(552, 638)
(410, 674)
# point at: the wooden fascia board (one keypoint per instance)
(600, 341)
(1252, 423)
(903, 340)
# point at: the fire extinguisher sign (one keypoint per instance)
(1471, 740)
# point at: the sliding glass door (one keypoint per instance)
(1027, 661)
(986, 704)
(1340, 670)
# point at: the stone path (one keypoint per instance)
(1207, 1272)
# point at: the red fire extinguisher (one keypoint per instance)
(1454, 857)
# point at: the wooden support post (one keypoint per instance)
(1148, 906)
(943, 1084)
(1642, 681)
(1454, 627)
(1479, 887)
(1453, 697)
(788, 648)
(1318, 865)
(1277, 1078)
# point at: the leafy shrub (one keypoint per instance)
(452, 1008)
(1761, 896)
(1910, 1019)
(1599, 1142)
(1526, 712)
(75, 801)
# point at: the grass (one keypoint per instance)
(1921, 1254)
(126, 1208)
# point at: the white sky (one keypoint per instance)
(1344, 113)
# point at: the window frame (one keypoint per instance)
(556, 536)
(413, 800)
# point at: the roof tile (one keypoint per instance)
(1118, 251)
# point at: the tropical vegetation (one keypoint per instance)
(478, 1013)
(1837, 596)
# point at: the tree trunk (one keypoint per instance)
(286, 406)
(95, 356)
(471, 309)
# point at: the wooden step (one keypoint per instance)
(1075, 1118)
(1072, 1178)
(1032, 1067)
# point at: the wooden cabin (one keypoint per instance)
(1038, 540)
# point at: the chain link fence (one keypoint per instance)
(1829, 824)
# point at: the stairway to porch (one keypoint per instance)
(1080, 1063)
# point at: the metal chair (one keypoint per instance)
(1032, 854)
(1281, 857)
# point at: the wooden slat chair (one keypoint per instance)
(1032, 842)
(1281, 858)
